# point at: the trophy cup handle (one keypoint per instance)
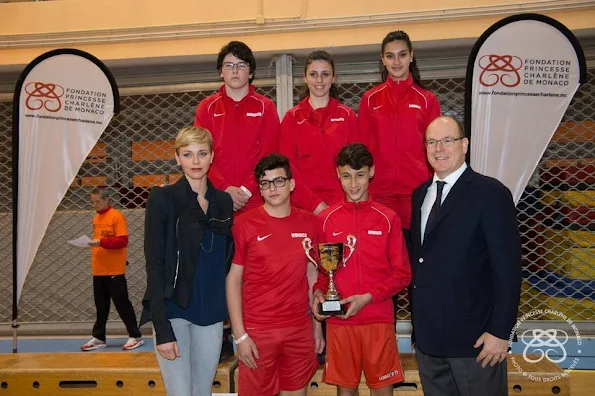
(307, 244)
(351, 245)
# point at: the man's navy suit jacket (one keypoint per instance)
(467, 272)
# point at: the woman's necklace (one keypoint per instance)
(204, 205)
(211, 248)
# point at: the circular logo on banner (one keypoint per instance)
(42, 95)
(546, 345)
(503, 69)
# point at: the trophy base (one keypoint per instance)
(330, 308)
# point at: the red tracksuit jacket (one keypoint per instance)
(393, 118)
(311, 139)
(243, 132)
(379, 264)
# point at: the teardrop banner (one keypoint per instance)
(63, 102)
(521, 76)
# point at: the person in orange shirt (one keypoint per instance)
(108, 263)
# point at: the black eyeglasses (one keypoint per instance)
(446, 142)
(280, 181)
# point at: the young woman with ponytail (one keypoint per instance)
(313, 133)
(393, 117)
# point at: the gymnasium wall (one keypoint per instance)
(137, 29)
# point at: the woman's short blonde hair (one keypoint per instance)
(193, 135)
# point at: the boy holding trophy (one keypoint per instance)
(363, 338)
(268, 289)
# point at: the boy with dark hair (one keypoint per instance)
(271, 162)
(364, 338)
(244, 125)
(356, 156)
(268, 289)
(240, 51)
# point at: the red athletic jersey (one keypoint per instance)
(312, 139)
(379, 264)
(393, 118)
(275, 283)
(243, 132)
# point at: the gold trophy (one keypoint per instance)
(331, 257)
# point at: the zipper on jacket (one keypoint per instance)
(358, 260)
(221, 220)
(178, 253)
(359, 267)
(229, 250)
(235, 146)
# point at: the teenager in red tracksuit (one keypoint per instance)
(313, 132)
(244, 125)
(268, 290)
(364, 338)
(393, 118)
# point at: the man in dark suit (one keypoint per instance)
(466, 265)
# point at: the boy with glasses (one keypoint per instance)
(364, 338)
(244, 125)
(268, 289)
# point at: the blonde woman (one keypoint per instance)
(188, 246)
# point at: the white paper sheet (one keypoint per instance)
(82, 241)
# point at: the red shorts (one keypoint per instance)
(287, 361)
(371, 348)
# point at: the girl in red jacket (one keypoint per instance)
(313, 133)
(393, 117)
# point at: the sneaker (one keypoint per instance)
(133, 343)
(92, 344)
